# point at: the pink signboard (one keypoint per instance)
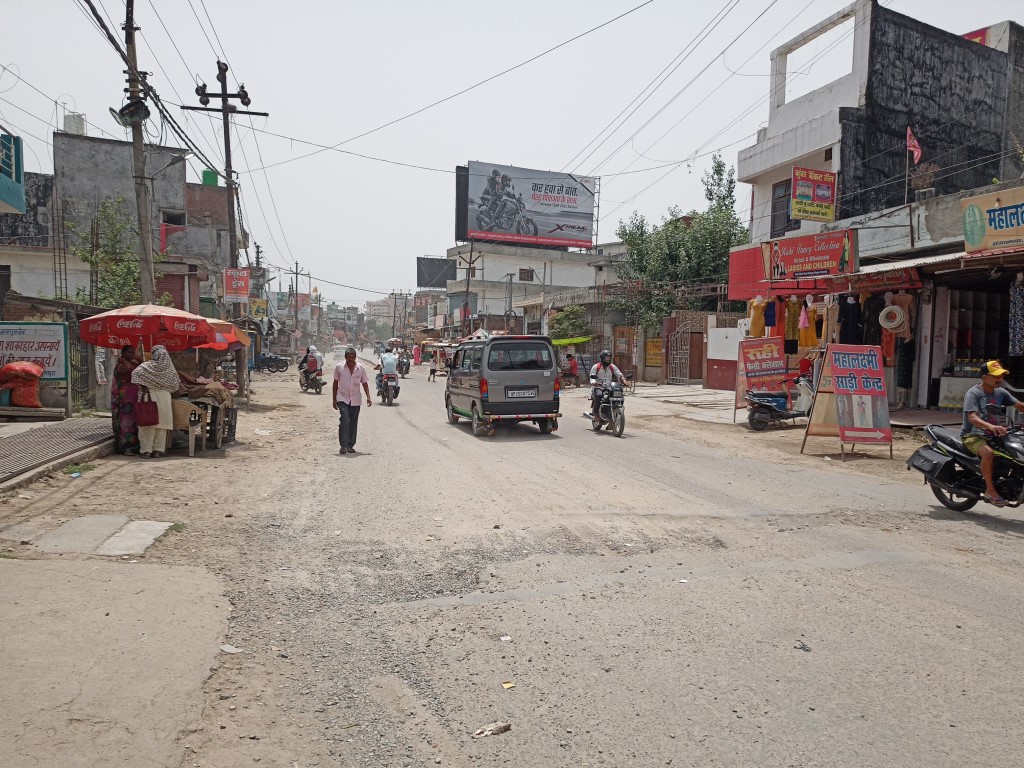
(761, 367)
(859, 385)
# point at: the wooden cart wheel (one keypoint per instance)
(216, 432)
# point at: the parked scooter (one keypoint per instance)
(388, 387)
(611, 411)
(771, 408)
(311, 379)
(954, 473)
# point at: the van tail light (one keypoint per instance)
(483, 389)
(558, 386)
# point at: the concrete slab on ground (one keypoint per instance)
(27, 531)
(82, 535)
(134, 539)
(104, 663)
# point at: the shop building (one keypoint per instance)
(962, 96)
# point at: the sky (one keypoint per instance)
(643, 101)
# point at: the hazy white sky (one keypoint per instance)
(329, 70)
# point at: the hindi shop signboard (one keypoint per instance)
(761, 367)
(507, 204)
(45, 344)
(804, 256)
(814, 195)
(236, 286)
(993, 221)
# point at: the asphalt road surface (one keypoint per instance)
(687, 595)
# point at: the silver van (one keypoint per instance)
(504, 379)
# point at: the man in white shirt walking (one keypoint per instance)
(348, 376)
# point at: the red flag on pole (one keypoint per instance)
(913, 146)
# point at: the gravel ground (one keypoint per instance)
(688, 595)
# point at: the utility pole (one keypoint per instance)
(147, 276)
(394, 312)
(295, 306)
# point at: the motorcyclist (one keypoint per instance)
(491, 194)
(312, 362)
(304, 362)
(388, 364)
(980, 423)
(602, 371)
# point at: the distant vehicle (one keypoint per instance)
(504, 379)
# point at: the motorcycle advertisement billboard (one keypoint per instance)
(507, 204)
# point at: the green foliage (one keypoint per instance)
(570, 323)
(690, 248)
(116, 256)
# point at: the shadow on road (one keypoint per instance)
(516, 433)
(981, 518)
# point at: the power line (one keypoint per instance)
(325, 147)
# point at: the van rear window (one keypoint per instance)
(520, 356)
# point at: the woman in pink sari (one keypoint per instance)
(417, 354)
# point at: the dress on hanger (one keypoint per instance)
(905, 302)
(832, 324)
(769, 313)
(808, 332)
(1016, 320)
(849, 323)
(792, 326)
(755, 312)
(873, 306)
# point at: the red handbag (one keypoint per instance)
(146, 412)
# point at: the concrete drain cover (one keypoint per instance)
(110, 535)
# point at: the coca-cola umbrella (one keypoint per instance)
(229, 337)
(149, 325)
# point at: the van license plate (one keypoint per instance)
(531, 392)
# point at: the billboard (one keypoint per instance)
(432, 272)
(993, 221)
(507, 204)
(45, 344)
(796, 258)
(814, 195)
(236, 285)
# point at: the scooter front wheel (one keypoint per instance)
(759, 419)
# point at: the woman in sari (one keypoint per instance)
(123, 396)
(158, 377)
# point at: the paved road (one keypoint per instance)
(690, 594)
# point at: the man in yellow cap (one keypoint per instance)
(981, 420)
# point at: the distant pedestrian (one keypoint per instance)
(433, 368)
(348, 376)
(572, 370)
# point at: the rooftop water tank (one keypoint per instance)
(210, 178)
(74, 123)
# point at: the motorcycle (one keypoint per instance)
(769, 408)
(954, 473)
(311, 379)
(611, 411)
(403, 366)
(388, 387)
(510, 215)
(271, 363)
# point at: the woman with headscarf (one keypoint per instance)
(123, 396)
(160, 379)
(417, 354)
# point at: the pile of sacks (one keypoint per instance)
(22, 379)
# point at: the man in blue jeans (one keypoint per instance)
(348, 376)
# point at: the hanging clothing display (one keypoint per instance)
(831, 331)
(755, 311)
(888, 347)
(849, 322)
(769, 313)
(904, 363)
(905, 302)
(793, 307)
(1016, 319)
(808, 330)
(873, 306)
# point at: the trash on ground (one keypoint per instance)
(231, 649)
(75, 474)
(683, 581)
(507, 684)
(263, 432)
(802, 646)
(505, 639)
(492, 729)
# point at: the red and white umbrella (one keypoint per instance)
(149, 325)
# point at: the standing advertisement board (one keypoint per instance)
(508, 204)
(814, 195)
(797, 258)
(850, 401)
(45, 344)
(236, 286)
(760, 367)
(258, 308)
(305, 307)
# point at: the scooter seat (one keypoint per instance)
(772, 395)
